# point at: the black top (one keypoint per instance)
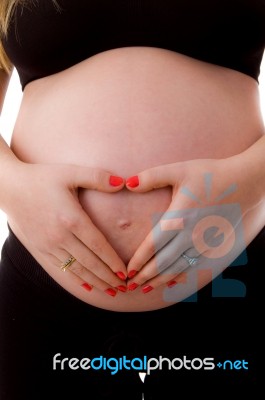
(43, 40)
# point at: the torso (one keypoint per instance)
(126, 110)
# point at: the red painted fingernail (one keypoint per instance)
(87, 287)
(133, 181)
(132, 273)
(172, 284)
(115, 180)
(122, 288)
(147, 289)
(110, 292)
(133, 286)
(121, 275)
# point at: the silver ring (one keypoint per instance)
(191, 260)
(65, 265)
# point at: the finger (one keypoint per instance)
(74, 278)
(168, 227)
(154, 178)
(176, 273)
(88, 260)
(94, 240)
(154, 241)
(86, 278)
(96, 179)
(161, 261)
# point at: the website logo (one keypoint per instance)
(144, 365)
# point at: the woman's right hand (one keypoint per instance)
(44, 206)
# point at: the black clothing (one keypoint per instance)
(43, 39)
(40, 319)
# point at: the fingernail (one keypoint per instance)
(122, 288)
(172, 284)
(115, 180)
(133, 181)
(110, 292)
(147, 289)
(87, 287)
(121, 275)
(133, 286)
(132, 273)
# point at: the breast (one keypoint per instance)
(130, 109)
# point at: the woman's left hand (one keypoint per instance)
(202, 227)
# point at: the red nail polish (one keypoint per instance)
(122, 288)
(133, 181)
(147, 289)
(172, 284)
(115, 180)
(121, 275)
(87, 287)
(110, 292)
(132, 273)
(133, 286)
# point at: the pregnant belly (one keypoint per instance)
(125, 218)
(127, 110)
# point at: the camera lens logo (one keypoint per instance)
(219, 228)
(208, 236)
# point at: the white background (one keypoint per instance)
(11, 106)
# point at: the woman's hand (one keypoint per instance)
(202, 228)
(45, 209)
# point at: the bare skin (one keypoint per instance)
(124, 111)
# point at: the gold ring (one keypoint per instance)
(67, 263)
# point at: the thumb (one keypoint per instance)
(97, 179)
(154, 178)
